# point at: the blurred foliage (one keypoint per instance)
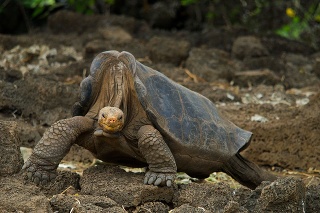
(294, 29)
(82, 6)
(301, 20)
(188, 2)
(292, 19)
(252, 13)
(42, 8)
(86, 6)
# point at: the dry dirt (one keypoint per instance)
(264, 84)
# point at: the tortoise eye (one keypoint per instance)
(103, 115)
(120, 117)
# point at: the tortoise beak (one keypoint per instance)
(111, 124)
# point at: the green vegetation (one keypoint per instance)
(86, 6)
(291, 19)
(188, 2)
(42, 8)
(299, 23)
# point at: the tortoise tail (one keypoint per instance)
(246, 172)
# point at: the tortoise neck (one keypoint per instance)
(121, 91)
(118, 88)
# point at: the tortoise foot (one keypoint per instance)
(159, 179)
(38, 174)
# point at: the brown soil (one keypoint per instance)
(269, 86)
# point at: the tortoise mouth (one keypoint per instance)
(110, 127)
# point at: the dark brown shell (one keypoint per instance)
(185, 118)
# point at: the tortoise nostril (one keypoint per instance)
(112, 120)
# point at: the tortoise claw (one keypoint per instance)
(159, 179)
(37, 174)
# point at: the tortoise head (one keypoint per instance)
(111, 119)
(109, 84)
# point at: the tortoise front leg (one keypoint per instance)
(53, 146)
(162, 166)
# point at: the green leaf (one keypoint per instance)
(110, 2)
(37, 11)
(187, 2)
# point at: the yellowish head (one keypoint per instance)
(111, 119)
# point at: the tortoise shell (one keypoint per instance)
(184, 118)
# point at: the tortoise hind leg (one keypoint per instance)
(246, 172)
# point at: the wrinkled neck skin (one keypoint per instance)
(119, 91)
(119, 86)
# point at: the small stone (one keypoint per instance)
(248, 46)
(169, 50)
(116, 34)
(283, 195)
(134, 193)
(11, 160)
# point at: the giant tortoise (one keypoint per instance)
(132, 115)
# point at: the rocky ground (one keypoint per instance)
(264, 84)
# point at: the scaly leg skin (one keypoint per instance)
(162, 166)
(52, 147)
